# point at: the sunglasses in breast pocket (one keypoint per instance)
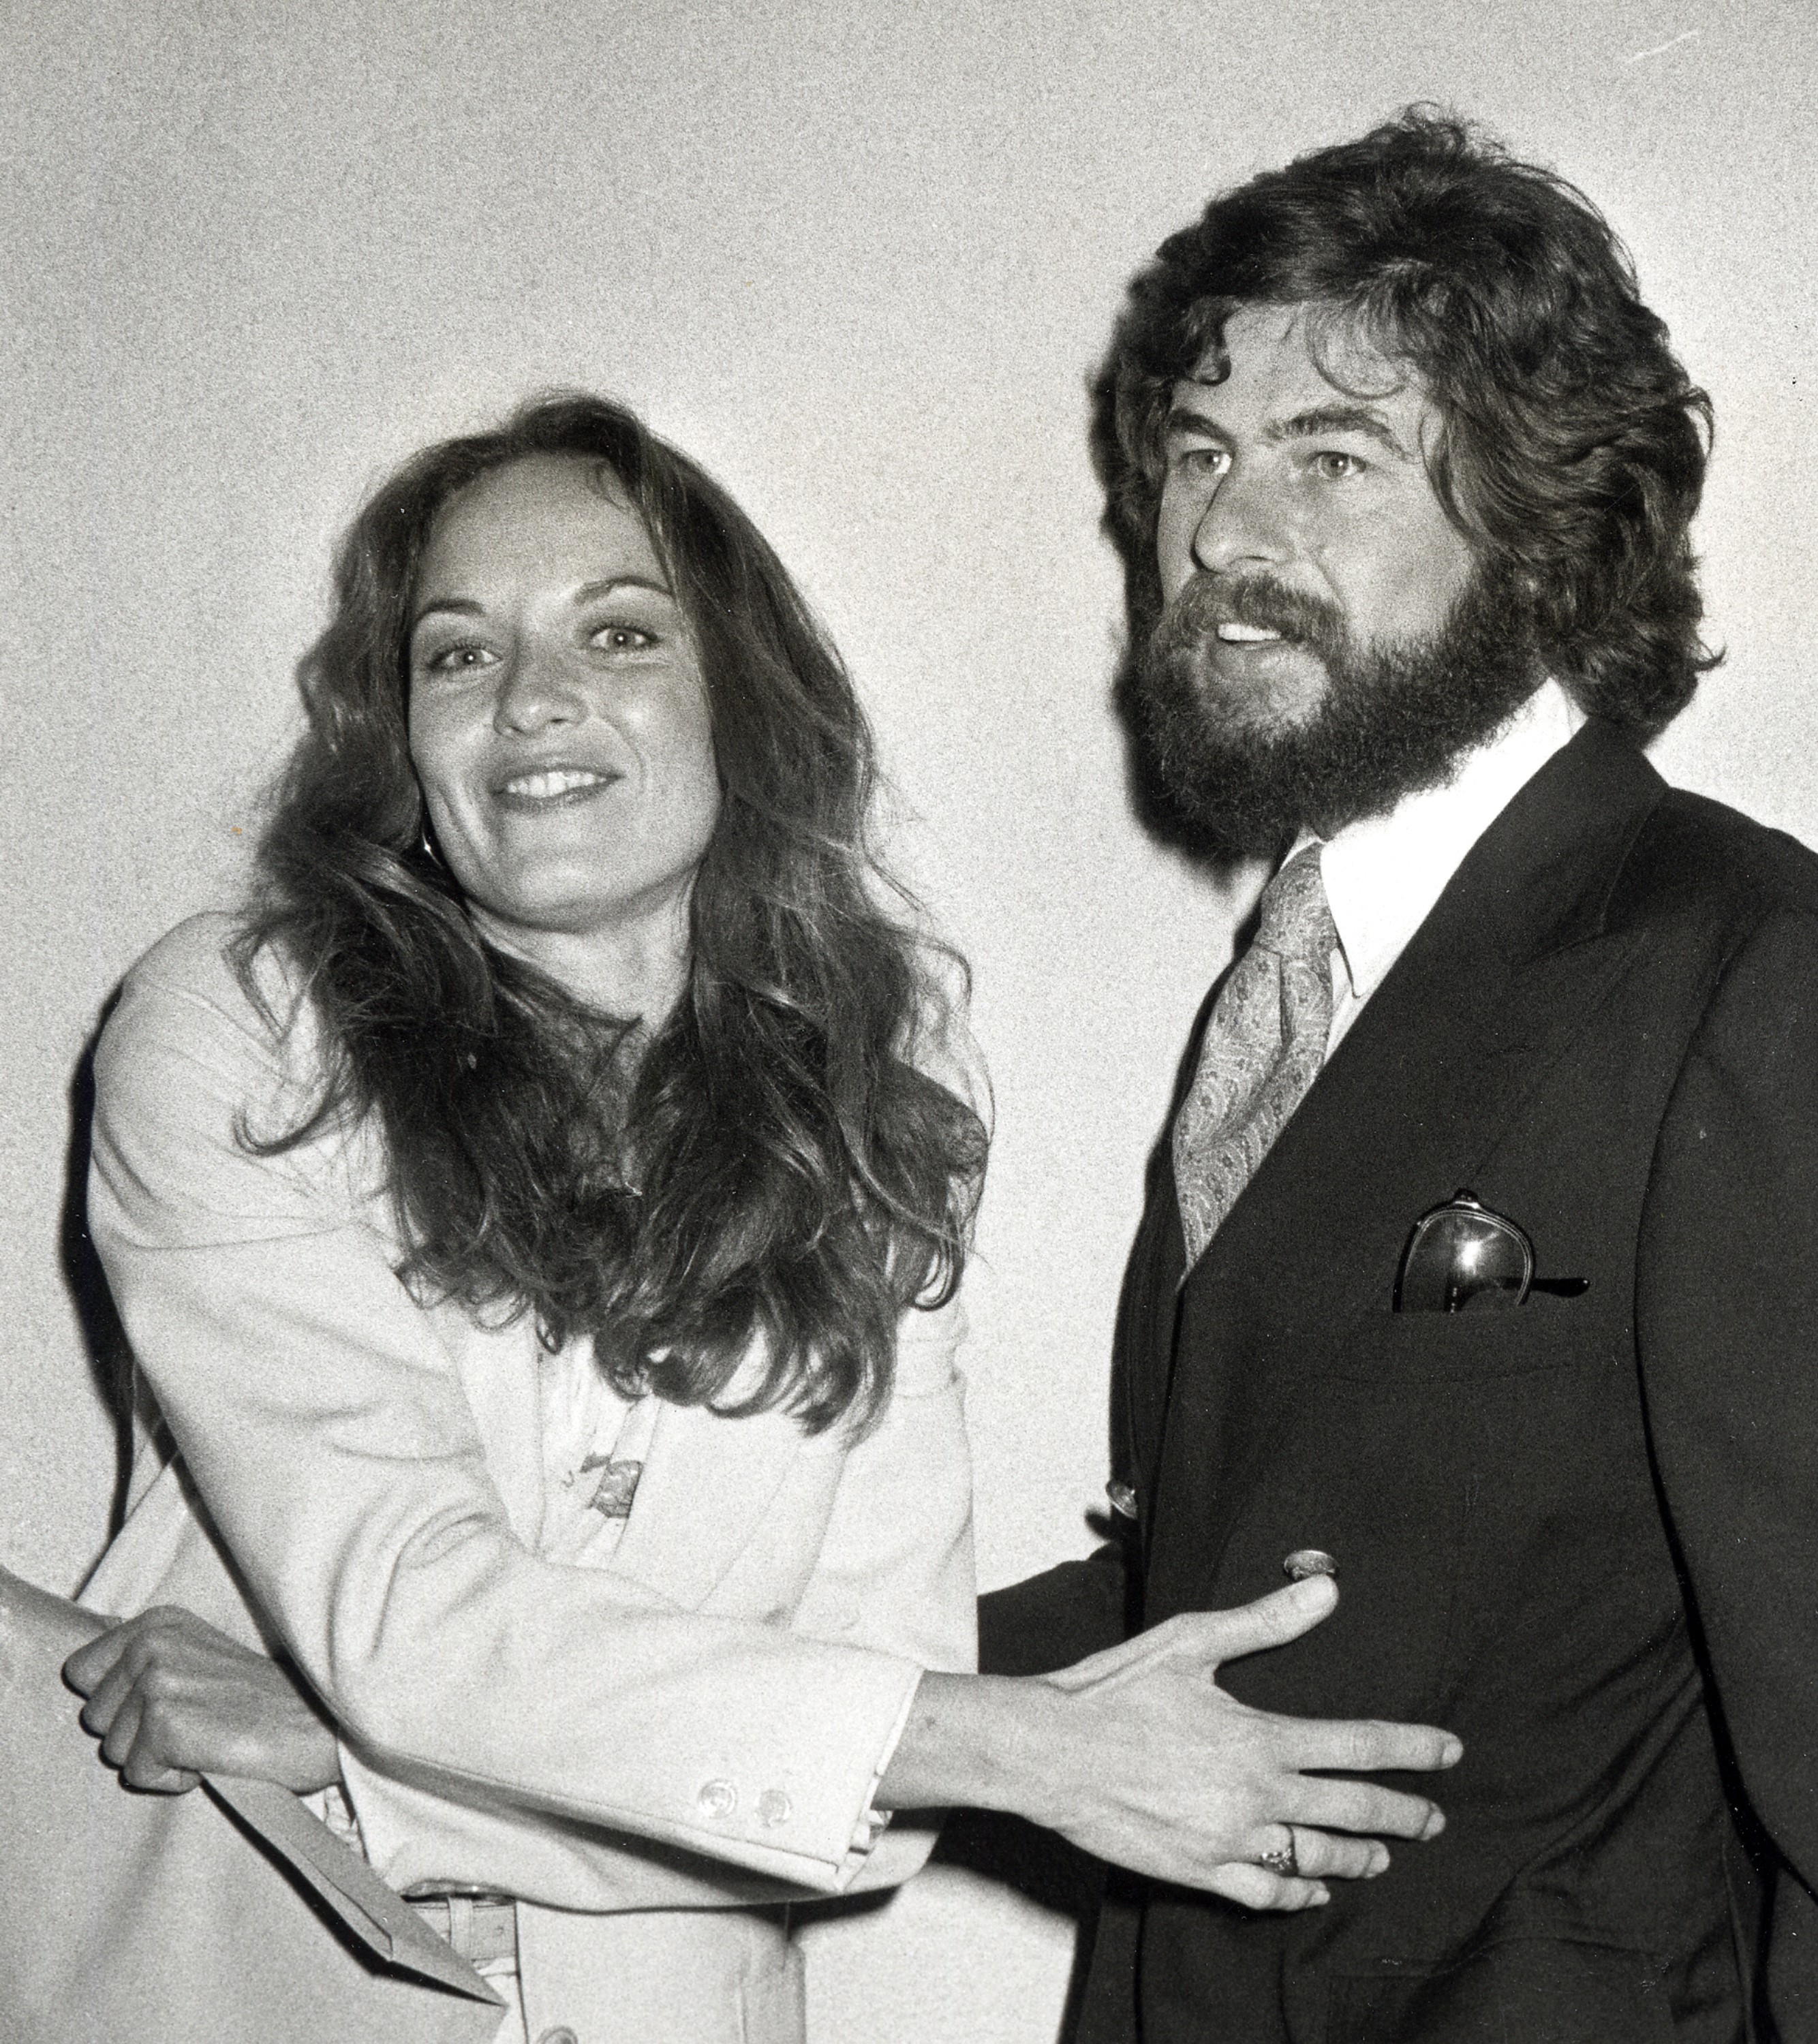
(1465, 1258)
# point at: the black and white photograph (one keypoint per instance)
(911, 1022)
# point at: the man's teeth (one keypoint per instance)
(1234, 634)
(556, 781)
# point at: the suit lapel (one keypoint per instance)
(499, 1368)
(1490, 992)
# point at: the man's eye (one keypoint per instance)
(1336, 467)
(1197, 460)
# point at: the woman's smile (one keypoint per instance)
(553, 787)
(559, 724)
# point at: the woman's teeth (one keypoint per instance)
(554, 781)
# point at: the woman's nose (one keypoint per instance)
(1242, 525)
(536, 690)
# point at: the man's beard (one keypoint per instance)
(1394, 717)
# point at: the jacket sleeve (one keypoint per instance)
(326, 1430)
(1726, 1329)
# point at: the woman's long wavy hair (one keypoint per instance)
(774, 1171)
(1572, 445)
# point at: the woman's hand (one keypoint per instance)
(170, 1698)
(1137, 1756)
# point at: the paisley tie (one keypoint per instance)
(1263, 1048)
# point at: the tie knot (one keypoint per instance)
(1296, 920)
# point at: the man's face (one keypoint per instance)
(1276, 473)
(1328, 642)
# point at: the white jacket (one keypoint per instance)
(700, 1722)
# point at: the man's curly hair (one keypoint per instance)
(1572, 444)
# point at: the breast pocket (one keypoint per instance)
(1543, 1335)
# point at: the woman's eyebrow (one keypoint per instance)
(588, 591)
(461, 606)
(456, 605)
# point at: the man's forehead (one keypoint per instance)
(1286, 359)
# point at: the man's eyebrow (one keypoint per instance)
(1339, 419)
(1302, 425)
(1182, 420)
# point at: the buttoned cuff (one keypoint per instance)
(798, 1811)
(872, 1825)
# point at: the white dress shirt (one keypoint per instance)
(1383, 874)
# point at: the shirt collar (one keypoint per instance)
(1383, 873)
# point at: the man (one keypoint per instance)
(1403, 471)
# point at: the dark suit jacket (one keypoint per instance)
(1583, 1534)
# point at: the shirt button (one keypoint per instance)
(718, 1799)
(1123, 1499)
(774, 1808)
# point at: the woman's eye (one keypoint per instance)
(624, 639)
(458, 659)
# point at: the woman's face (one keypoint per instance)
(559, 723)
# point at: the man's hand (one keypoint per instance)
(1138, 1756)
(170, 1697)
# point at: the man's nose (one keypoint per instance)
(536, 689)
(1242, 525)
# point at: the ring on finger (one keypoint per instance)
(1283, 1860)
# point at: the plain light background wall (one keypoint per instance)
(859, 259)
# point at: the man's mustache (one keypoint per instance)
(1200, 606)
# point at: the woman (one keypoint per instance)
(539, 1232)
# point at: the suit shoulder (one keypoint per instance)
(186, 1000)
(194, 957)
(1698, 857)
(199, 962)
